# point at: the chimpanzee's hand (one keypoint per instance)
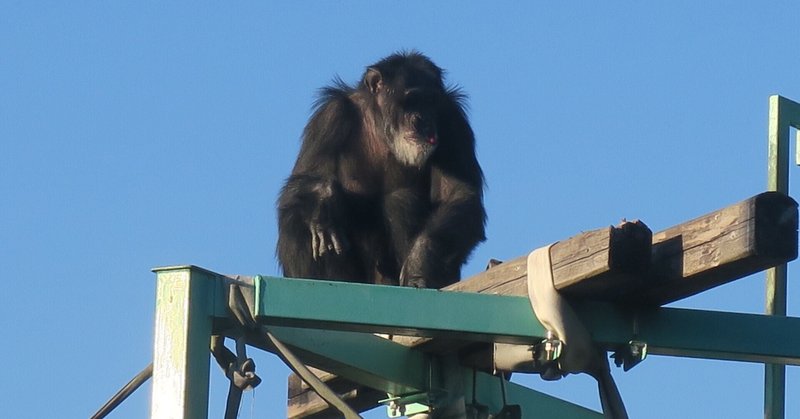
(325, 239)
(327, 220)
(413, 271)
(407, 280)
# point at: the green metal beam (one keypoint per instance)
(397, 310)
(382, 309)
(783, 114)
(700, 333)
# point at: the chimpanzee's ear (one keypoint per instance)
(373, 80)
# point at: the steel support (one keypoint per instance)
(331, 324)
(183, 325)
(783, 114)
(397, 369)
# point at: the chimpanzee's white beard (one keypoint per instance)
(411, 152)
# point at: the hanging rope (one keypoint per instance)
(239, 369)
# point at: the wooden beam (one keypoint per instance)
(305, 403)
(694, 256)
(720, 247)
(603, 263)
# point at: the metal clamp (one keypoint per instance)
(630, 355)
(409, 404)
(548, 350)
(546, 355)
(414, 403)
(634, 352)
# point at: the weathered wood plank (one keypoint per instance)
(298, 386)
(694, 256)
(602, 263)
(720, 247)
(304, 402)
(310, 405)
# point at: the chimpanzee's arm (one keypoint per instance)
(456, 223)
(311, 205)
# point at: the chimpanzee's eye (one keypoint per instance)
(417, 96)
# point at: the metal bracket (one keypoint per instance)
(546, 355)
(410, 404)
(542, 358)
(630, 355)
(634, 352)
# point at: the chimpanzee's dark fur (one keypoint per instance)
(386, 188)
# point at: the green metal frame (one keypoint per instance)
(783, 114)
(330, 324)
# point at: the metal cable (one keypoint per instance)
(124, 392)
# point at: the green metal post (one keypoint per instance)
(783, 114)
(182, 335)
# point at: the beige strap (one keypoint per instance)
(580, 354)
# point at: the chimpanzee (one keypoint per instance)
(386, 188)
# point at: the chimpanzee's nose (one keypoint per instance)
(422, 124)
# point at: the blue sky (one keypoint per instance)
(136, 135)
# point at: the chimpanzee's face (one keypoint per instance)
(408, 105)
